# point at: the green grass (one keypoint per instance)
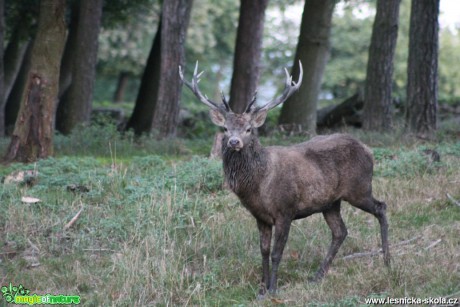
(159, 228)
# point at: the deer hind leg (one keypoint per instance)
(339, 233)
(378, 209)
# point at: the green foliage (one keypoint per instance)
(401, 52)
(199, 174)
(350, 38)
(411, 163)
(346, 302)
(103, 139)
(210, 40)
(405, 164)
(195, 175)
(205, 39)
(449, 76)
(124, 45)
(281, 32)
(452, 149)
(123, 12)
(20, 13)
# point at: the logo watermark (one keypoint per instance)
(22, 296)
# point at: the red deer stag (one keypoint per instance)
(279, 184)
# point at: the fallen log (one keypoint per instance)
(348, 113)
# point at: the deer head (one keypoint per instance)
(239, 128)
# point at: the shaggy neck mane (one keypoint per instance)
(244, 168)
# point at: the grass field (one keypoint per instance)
(157, 227)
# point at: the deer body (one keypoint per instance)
(279, 184)
(299, 180)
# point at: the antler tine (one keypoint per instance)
(254, 98)
(193, 86)
(224, 101)
(289, 88)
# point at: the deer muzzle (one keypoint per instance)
(235, 143)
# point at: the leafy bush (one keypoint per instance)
(199, 174)
(105, 140)
(450, 149)
(381, 154)
(404, 164)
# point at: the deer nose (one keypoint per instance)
(234, 143)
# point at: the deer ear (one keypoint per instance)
(258, 118)
(217, 117)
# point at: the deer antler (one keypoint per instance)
(195, 89)
(251, 104)
(289, 88)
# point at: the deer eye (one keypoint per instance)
(248, 130)
(225, 129)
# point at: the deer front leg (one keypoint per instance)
(265, 232)
(282, 227)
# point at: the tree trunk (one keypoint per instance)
(15, 97)
(246, 64)
(422, 68)
(33, 134)
(377, 90)
(122, 83)
(142, 116)
(175, 19)
(2, 84)
(313, 50)
(14, 55)
(70, 50)
(76, 103)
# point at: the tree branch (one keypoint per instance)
(374, 253)
(73, 220)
